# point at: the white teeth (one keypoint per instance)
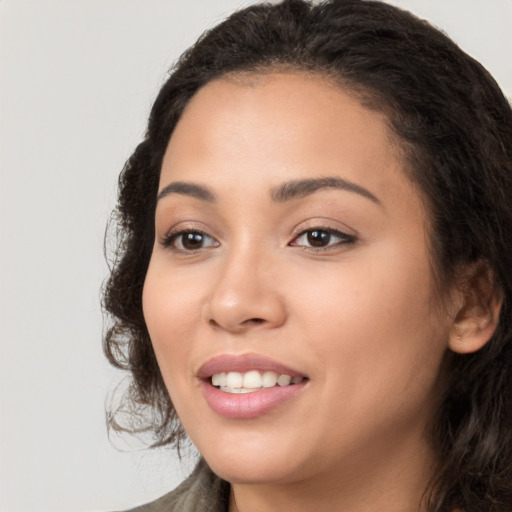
(236, 382)
(220, 379)
(269, 379)
(284, 380)
(252, 380)
(236, 390)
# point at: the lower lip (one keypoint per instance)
(248, 405)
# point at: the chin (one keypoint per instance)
(250, 471)
(246, 464)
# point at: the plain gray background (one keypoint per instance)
(77, 78)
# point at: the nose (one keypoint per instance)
(245, 295)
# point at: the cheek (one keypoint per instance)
(172, 314)
(373, 325)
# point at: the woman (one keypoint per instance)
(313, 279)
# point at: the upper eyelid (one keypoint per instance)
(187, 227)
(327, 223)
(181, 230)
(173, 234)
(343, 231)
(322, 228)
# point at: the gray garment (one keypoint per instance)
(202, 491)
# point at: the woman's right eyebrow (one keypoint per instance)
(187, 189)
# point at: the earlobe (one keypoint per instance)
(478, 313)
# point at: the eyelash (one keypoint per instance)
(170, 239)
(344, 239)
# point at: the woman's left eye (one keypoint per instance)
(322, 239)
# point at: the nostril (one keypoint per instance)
(255, 321)
(241, 326)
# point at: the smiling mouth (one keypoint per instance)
(249, 386)
(252, 381)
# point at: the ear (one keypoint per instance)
(478, 309)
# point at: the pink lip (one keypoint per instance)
(246, 405)
(244, 363)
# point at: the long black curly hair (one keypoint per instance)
(455, 128)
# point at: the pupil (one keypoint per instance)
(192, 240)
(318, 238)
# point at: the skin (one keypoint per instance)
(361, 319)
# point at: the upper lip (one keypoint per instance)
(243, 363)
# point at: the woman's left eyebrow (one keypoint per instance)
(301, 188)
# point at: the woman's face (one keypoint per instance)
(289, 241)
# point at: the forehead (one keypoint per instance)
(246, 130)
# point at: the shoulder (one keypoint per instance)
(202, 491)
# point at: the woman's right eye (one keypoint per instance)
(189, 241)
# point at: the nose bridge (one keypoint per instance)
(245, 294)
